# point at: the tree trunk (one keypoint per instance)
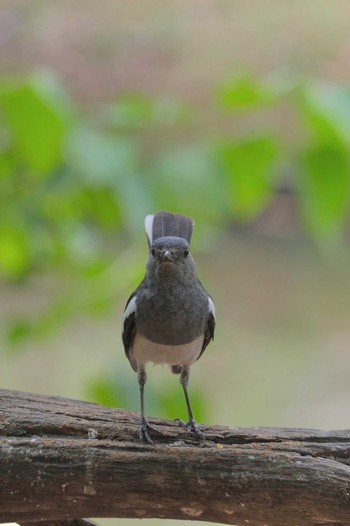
(62, 460)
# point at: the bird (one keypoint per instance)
(170, 317)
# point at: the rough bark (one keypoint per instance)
(62, 460)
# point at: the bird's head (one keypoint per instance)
(170, 254)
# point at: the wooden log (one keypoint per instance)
(62, 460)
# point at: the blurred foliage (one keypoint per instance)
(73, 184)
(165, 401)
(75, 187)
(250, 178)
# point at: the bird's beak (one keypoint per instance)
(168, 255)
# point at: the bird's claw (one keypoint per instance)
(144, 434)
(191, 427)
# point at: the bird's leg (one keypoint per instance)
(191, 424)
(144, 426)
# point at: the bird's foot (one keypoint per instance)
(192, 427)
(145, 427)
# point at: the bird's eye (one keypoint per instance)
(153, 252)
(186, 252)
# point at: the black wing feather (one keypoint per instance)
(128, 335)
(208, 334)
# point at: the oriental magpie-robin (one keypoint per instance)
(170, 317)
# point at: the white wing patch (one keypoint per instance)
(149, 227)
(211, 306)
(130, 309)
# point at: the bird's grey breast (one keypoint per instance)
(172, 315)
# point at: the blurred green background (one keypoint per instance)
(235, 113)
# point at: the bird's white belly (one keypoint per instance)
(145, 351)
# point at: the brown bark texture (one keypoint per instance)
(62, 460)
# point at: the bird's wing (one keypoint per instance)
(210, 327)
(129, 328)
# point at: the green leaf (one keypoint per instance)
(6, 166)
(325, 109)
(35, 123)
(244, 92)
(18, 332)
(114, 390)
(14, 252)
(249, 172)
(324, 197)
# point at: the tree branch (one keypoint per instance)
(61, 460)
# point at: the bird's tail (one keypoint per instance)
(164, 224)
